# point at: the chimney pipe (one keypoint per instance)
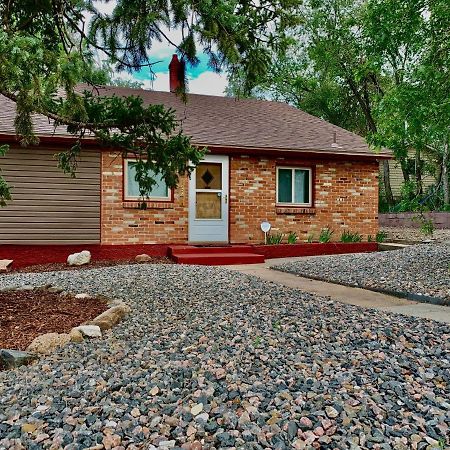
(176, 74)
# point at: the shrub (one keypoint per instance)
(310, 238)
(348, 236)
(273, 239)
(292, 238)
(369, 238)
(325, 235)
(381, 236)
(427, 227)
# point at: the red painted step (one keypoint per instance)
(226, 255)
(218, 259)
(205, 249)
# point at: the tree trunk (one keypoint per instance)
(445, 174)
(387, 183)
(404, 167)
(419, 187)
(364, 103)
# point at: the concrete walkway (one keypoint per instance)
(353, 296)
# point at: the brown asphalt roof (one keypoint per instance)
(230, 122)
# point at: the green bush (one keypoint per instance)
(273, 239)
(348, 236)
(381, 236)
(432, 199)
(325, 235)
(426, 225)
(310, 238)
(292, 238)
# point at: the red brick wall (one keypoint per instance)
(345, 197)
(124, 223)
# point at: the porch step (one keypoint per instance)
(207, 249)
(215, 256)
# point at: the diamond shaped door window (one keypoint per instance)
(209, 176)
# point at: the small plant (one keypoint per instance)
(276, 325)
(369, 238)
(381, 236)
(257, 341)
(310, 238)
(348, 236)
(325, 235)
(292, 238)
(273, 239)
(426, 225)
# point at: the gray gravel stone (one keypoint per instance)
(266, 363)
(421, 270)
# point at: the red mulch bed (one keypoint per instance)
(31, 255)
(24, 315)
(54, 267)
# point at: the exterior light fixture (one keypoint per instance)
(265, 227)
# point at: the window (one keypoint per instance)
(160, 191)
(294, 186)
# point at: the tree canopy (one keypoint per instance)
(376, 67)
(47, 47)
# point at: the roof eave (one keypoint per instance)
(215, 148)
(281, 151)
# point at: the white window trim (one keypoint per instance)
(131, 197)
(309, 204)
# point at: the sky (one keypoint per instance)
(201, 79)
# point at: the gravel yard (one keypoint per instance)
(212, 359)
(419, 270)
(415, 235)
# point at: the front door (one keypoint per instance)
(208, 201)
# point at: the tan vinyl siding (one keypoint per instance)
(396, 176)
(48, 206)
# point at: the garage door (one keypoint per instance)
(48, 206)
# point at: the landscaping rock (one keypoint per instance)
(79, 259)
(111, 317)
(48, 343)
(4, 264)
(419, 270)
(83, 296)
(275, 358)
(76, 335)
(91, 331)
(11, 359)
(143, 258)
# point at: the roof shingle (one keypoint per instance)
(229, 122)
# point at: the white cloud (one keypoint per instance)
(207, 83)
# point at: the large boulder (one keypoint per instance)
(10, 359)
(48, 343)
(79, 259)
(143, 258)
(91, 331)
(76, 335)
(4, 264)
(111, 317)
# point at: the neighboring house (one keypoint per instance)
(267, 161)
(396, 174)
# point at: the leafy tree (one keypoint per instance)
(376, 67)
(47, 47)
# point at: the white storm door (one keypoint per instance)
(208, 200)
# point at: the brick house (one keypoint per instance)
(267, 161)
